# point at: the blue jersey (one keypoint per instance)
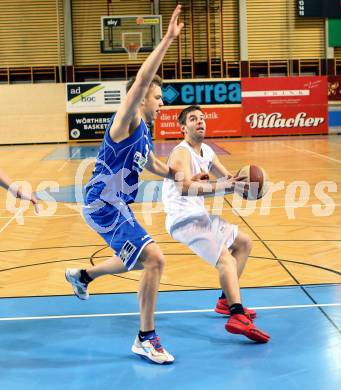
(118, 166)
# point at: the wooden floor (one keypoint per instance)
(306, 249)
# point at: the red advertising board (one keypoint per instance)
(220, 122)
(286, 120)
(284, 90)
(284, 105)
(334, 88)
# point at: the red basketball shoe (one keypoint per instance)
(240, 324)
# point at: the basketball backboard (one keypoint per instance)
(130, 33)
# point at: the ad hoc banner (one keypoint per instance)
(94, 97)
(90, 106)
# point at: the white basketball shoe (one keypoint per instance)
(152, 350)
(72, 275)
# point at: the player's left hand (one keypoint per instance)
(241, 186)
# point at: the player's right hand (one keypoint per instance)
(174, 26)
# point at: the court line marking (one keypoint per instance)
(11, 219)
(73, 154)
(159, 312)
(318, 155)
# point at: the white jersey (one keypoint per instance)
(176, 206)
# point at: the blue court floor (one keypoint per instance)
(63, 343)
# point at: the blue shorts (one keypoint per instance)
(119, 228)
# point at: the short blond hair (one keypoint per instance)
(157, 80)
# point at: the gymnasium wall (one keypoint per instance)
(32, 32)
(86, 25)
(32, 35)
(275, 31)
(32, 113)
(36, 113)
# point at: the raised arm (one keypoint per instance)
(127, 115)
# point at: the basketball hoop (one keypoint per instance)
(132, 49)
(120, 31)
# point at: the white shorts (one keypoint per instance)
(205, 235)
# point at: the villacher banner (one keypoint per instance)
(289, 120)
(290, 105)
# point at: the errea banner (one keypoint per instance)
(284, 105)
(201, 92)
(94, 96)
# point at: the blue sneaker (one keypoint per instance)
(72, 275)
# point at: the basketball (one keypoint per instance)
(255, 185)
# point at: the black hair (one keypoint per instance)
(183, 114)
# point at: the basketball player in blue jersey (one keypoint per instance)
(209, 236)
(125, 151)
(18, 192)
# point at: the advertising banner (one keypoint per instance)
(94, 97)
(201, 92)
(287, 120)
(88, 126)
(334, 88)
(284, 90)
(220, 122)
(284, 105)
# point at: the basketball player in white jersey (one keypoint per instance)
(209, 236)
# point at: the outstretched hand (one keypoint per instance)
(234, 183)
(236, 178)
(239, 184)
(26, 195)
(174, 26)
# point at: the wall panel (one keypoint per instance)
(29, 32)
(275, 32)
